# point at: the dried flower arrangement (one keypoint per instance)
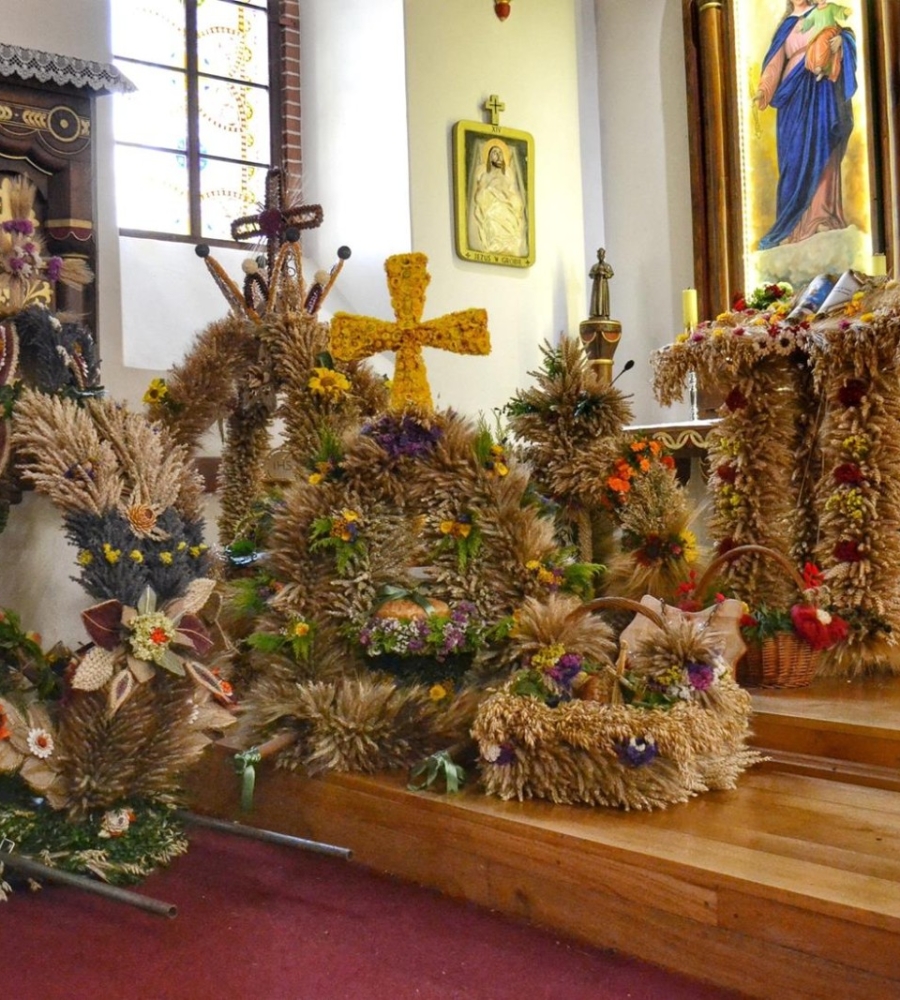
(567, 427)
(661, 724)
(855, 363)
(385, 681)
(763, 451)
(803, 456)
(113, 726)
(657, 548)
(27, 272)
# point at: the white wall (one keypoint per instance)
(355, 145)
(457, 56)
(646, 181)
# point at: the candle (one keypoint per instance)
(689, 308)
(879, 264)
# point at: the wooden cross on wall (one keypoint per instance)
(356, 337)
(493, 105)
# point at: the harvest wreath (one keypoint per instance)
(661, 724)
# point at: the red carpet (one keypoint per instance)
(263, 922)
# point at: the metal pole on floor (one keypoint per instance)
(34, 869)
(269, 836)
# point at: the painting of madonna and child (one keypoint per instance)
(805, 138)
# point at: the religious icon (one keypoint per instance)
(805, 143)
(494, 191)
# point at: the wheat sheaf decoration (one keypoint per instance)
(132, 709)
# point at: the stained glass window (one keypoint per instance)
(194, 141)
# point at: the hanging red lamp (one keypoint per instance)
(502, 9)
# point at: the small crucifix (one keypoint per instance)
(356, 337)
(493, 105)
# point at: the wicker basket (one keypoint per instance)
(618, 604)
(748, 672)
(787, 661)
(782, 660)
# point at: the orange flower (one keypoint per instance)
(618, 485)
(141, 517)
(4, 730)
(638, 445)
(645, 464)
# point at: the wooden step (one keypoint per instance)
(833, 769)
(836, 720)
(788, 886)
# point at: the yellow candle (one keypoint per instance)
(879, 264)
(689, 308)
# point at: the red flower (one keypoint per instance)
(812, 576)
(851, 392)
(847, 551)
(850, 473)
(735, 400)
(816, 627)
(726, 472)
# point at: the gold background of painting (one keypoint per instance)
(755, 23)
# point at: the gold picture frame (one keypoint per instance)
(734, 161)
(493, 184)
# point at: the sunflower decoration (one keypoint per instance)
(328, 384)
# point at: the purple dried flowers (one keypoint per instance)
(637, 752)
(701, 676)
(403, 437)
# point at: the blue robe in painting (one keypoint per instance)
(815, 117)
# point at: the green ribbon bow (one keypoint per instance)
(245, 765)
(438, 765)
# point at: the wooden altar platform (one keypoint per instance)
(788, 886)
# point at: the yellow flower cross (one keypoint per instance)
(356, 337)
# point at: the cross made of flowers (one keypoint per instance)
(356, 337)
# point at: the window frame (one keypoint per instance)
(279, 23)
